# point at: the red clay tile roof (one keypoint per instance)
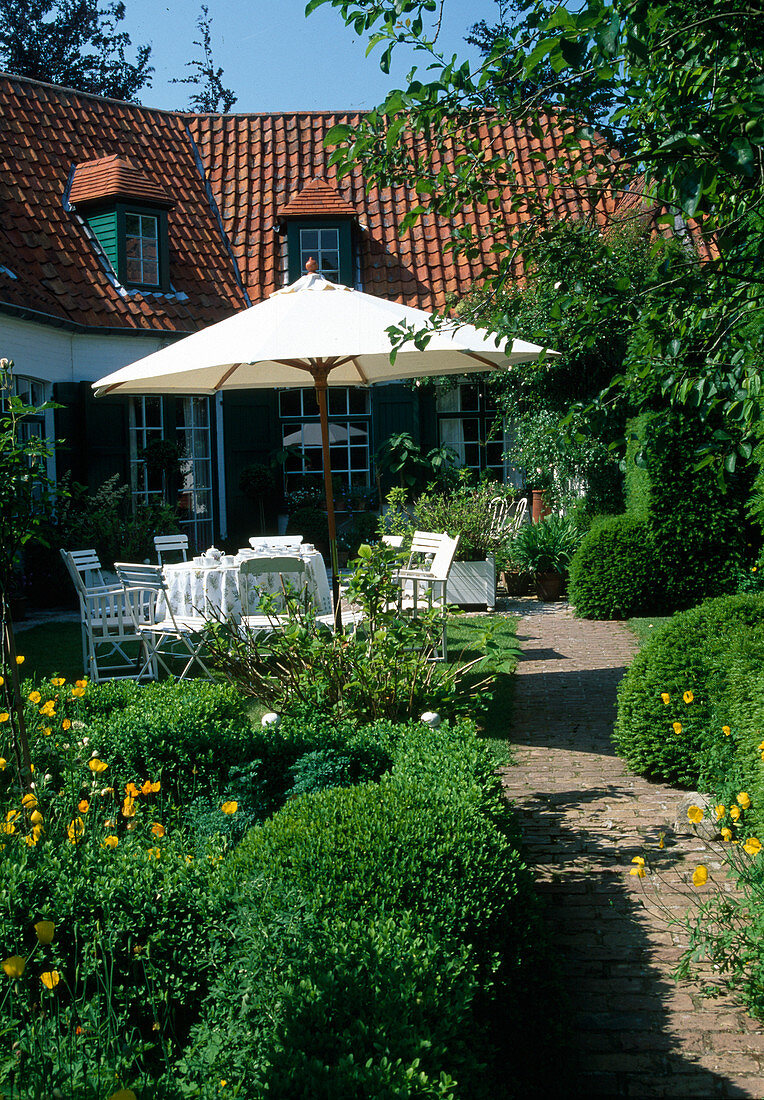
(45, 132)
(317, 200)
(114, 178)
(257, 163)
(242, 172)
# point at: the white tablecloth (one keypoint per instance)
(213, 590)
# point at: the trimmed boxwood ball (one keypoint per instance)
(616, 571)
(678, 741)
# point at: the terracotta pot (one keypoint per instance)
(548, 585)
(539, 507)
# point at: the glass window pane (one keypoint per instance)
(309, 239)
(309, 403)
(469, 396)
(330, 239)
(150, 272)
(148, 226)
(358, 400)
(338, 401)
(289, 403)
(133, 271)
(359, 458)
(132, 225)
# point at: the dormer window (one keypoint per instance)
(319, 226)
(127, 213)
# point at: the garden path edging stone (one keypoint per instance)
(584, 817)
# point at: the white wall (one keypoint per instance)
(55, 355)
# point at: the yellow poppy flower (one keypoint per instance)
(688, 697)
(14, 966)
(8, 828)
(29, 801)
(726, 834)
(37, 832)
(230, 807)
(720, 812)
(158, 829)
(50, 979)
(78, 692)
(20, 660)
(97, 766)
(2, 680)
(58, 681)
(695, 814)
(128, 806)
(34, 697)
(83, 806)
(3, 763)
(48, 708)
(4, 716)
(752, 846)
(666, 698)
(47, 731)
(132, 790)
(155, 852)
(45, 930)
(700, 876)
(75, 830)
(66, 724)
(744, 800)
(36, 818)
(734, 812)
(726, 731)
(677, 727)
(111, 842)
(80, 683)
(662, 840)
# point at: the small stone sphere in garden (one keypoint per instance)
(431, 718)
(271, 720)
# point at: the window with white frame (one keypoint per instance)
(323, 245)
(349, 437)
(142, 249)
(186, 422)
(469, 423)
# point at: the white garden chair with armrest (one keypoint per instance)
(111, 648)
(164, 632)
(291, 574)
(171, 544)
(506, 517)
(423, 581)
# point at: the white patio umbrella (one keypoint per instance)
(313, 330)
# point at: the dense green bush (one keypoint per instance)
(691, 653)
(394, 925)
(190, 734)
(616, 573)
(700, 530)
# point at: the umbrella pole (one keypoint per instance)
(320, 374)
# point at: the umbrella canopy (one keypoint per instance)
(318, 331)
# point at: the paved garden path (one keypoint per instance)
(636, 1032)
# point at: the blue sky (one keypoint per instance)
(275, 58)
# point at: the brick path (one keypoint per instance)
(583, 816)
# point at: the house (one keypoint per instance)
(125, 227)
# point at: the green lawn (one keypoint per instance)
(51, 649)
(472, 636)
(645, 628)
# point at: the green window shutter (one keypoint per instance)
(104, 225)
(252, 432)
(395, 409)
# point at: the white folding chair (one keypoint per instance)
(111, 647)
(423, 581)
(165, 634)
(291, 572)
(276, 542)
(171, 544)
(506, 517)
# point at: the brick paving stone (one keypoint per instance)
(636, 1031)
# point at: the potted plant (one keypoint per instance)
(545, 549)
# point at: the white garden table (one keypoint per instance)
(212, 589)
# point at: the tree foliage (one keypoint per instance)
(75, 43)
(687, 87)
(211, 95)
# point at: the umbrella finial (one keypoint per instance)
(311, 265)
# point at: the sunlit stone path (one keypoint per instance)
(635, 1032)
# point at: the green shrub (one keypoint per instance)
(393, 923)
(693, 652)
(191, 733)
(616, 572)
